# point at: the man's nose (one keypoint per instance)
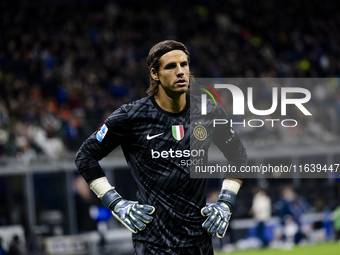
(179, 70)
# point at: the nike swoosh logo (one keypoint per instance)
(149, 137)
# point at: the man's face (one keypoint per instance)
(173, 73)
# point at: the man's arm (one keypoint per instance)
(218, 214)
(132, 215)
(100, 144)
(229, 143)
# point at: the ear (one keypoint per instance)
(154, 74)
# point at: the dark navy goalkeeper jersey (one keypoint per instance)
(156, 144)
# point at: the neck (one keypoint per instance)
(168, 103)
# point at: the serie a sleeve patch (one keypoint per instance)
(101, 133)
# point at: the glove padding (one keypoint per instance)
(132, 215)
(218, 214)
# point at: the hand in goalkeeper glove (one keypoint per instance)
(218, 214)
(132, 215)
(218, 218)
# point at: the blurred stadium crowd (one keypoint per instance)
(66, 65)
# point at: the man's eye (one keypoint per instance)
(170, 66)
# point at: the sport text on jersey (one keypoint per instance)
(186, 157)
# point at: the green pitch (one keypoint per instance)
(318, 249)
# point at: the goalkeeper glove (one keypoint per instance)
(218, 214)
(132, 215)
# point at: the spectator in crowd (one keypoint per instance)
(290, 208)
(298, 207)
(16, 247)
(261, 211)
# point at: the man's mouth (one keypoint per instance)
(181, 82)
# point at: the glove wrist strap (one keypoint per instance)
(111, 198)
(227, 197)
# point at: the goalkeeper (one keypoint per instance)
(170, 215)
